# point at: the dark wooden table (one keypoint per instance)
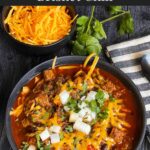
(13, 64)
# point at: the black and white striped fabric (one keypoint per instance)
(127, 56)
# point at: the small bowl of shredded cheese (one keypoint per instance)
(39, 29)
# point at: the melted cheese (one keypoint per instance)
(99, 132)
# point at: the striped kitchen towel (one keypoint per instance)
(127, 56)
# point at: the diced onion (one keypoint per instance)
(44, 135)
(55, 138)
(87, 115)
(55, 129)
(83, 98)
(73, 117)
(82, 105)
(82, 127)
(91, 95)
(66, 108)
(25, 90)
(31, 147)
(64, 95)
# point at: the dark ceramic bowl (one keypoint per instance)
(78, 60)
(38, 49)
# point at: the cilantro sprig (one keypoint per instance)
(97, 105)
(73, 105)
(125, 24)
(90, 30)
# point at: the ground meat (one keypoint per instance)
(65, 147)
(62, 116)
(119, 94)
(28, 105)
(127, 144)
(60, 79)
(48, 86)
(103, 146)
(75, 94)
(32, 141)
(30, 129)
(117, 135)
(109, 87)
(42, 100)
(38, 87)
(48, 75)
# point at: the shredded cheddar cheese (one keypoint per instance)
(88, 58)
(39, 25)
(54, 62)
(93, 66)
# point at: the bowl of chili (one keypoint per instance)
(114, 78)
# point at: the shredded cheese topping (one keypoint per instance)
(39, 25)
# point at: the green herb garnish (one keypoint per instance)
(114, 10)
(86, 41)
(24, 145)
(69, 128)
(111, 98)
(100, 98)
(73, 105)
(38, 142)
(103, 115)
(84, 87)
(94, 106)
(90, 30)
(98, 107)
(125, 24)
(47, 147)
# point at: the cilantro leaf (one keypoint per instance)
(47, 147)
(82, 24)
(111, 98)
(126, 24)
(114, 10)
(86, 44)
(24, 146)
(69, 128)
(73, 105)
(103, 115)
(100, 95)
(39, 144)
(84, 87)
(87, 35)
(94, 106)
(83, 20)
(99, 32)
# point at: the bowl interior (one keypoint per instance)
(76, 60)
(6, 9)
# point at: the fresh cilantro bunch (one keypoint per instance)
(90, 30)
(88, 33)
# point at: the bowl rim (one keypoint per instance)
(60, 61)
(72, 29)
